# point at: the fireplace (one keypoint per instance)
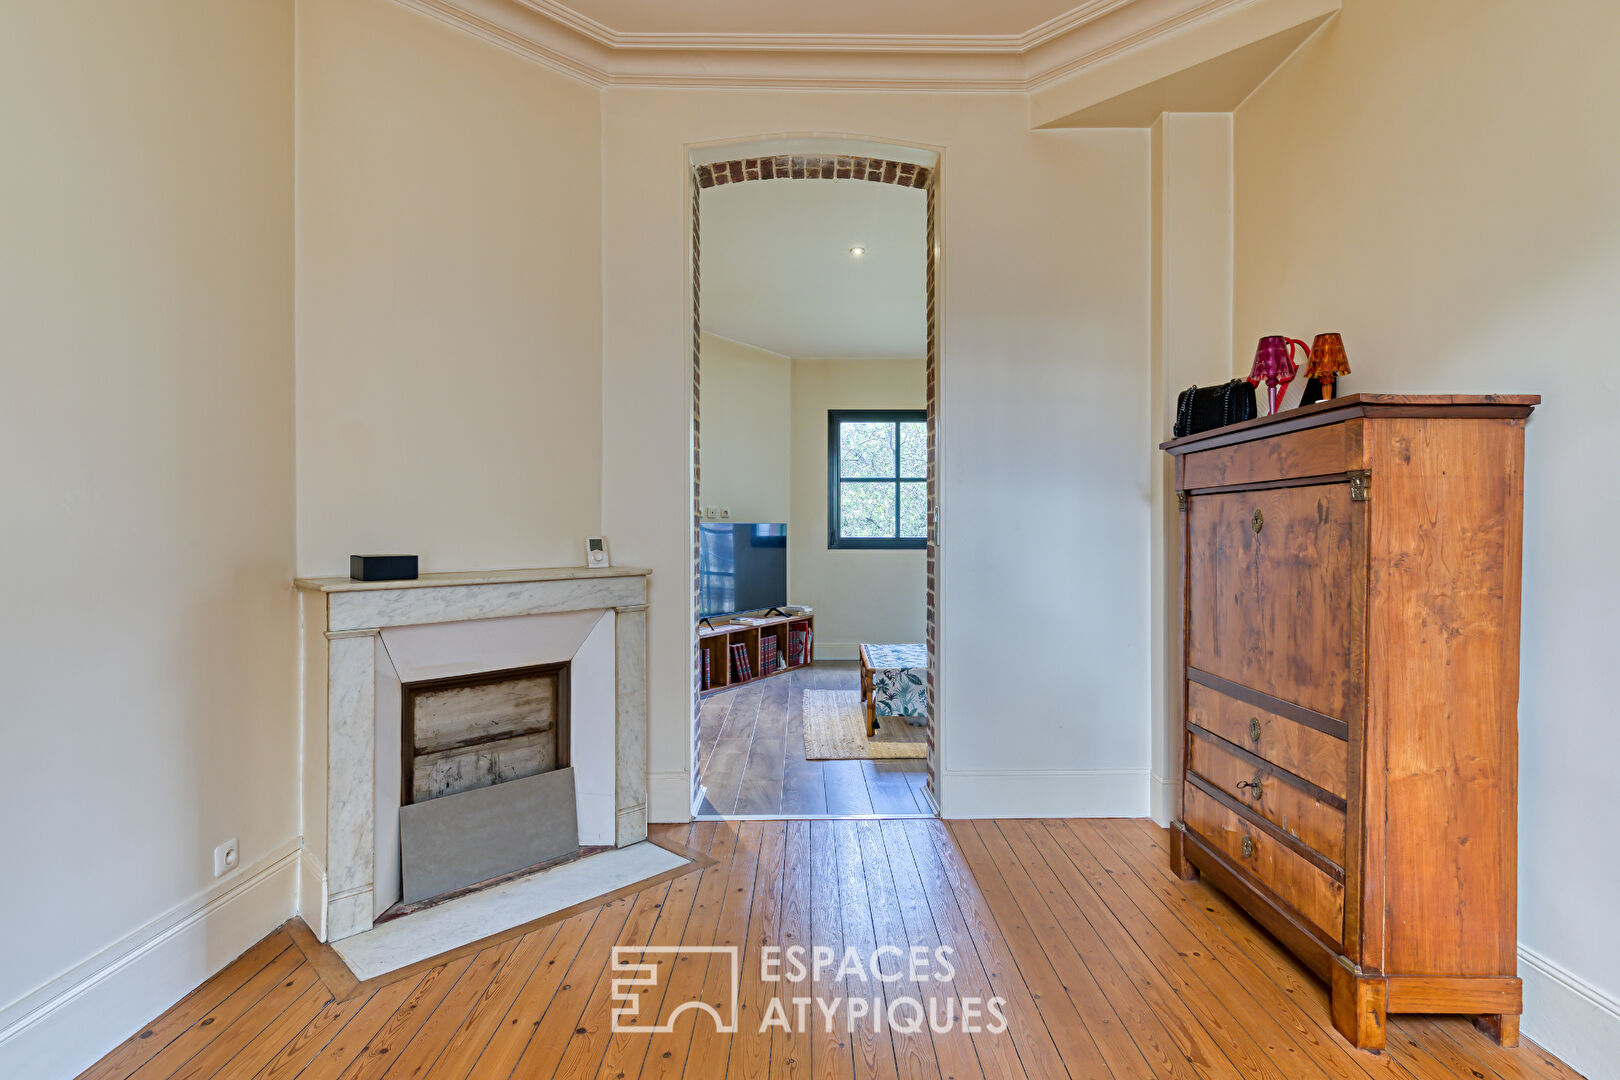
(469, 725)
(485, 784)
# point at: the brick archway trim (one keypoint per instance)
(815, 167)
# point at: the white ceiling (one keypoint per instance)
(1011, 17)
(777, 271)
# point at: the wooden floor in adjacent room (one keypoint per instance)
(751, 754)
(1110, 968)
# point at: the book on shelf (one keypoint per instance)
(767, 655)
(798, 650)
(708, 675)
(741, 670)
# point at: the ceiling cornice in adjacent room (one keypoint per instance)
(1060, 48)
(768, 42)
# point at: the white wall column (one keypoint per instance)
(1191, 343)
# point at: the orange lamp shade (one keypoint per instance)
(1328, 361)
(1327, 357)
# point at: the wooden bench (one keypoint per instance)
(888, 658)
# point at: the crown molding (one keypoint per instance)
(1081, 38)
(1050, 65)
(943, 44)
(1203, 60)
(516, 28)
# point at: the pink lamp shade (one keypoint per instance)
(1274, 364)
(1328, 362)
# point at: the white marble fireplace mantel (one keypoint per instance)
(349, 679)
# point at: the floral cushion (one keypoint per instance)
(900, 680)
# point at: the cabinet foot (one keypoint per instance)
(1358, 1006)
(1503, 1027)
(1179, 865)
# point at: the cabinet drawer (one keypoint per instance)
(1304, 751)
(1269, 582)
(1267, 791)
(1321, 451)
(1310, 891)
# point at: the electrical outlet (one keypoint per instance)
(725, 513)
(225, 858)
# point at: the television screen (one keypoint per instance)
(741, 567)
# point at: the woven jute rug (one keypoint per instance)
(835, 730)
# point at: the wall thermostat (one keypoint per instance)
(596, 552)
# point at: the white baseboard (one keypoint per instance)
(928, 796)
(1164, 800)
(1032, 793)
(312, 893)
(71, 1022)
(669, 797)
(1570, 1017)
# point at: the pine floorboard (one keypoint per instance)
(1111, 968)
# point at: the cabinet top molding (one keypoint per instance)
(1335, 410)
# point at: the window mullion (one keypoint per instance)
(896, 442)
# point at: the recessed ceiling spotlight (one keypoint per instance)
(857, 251)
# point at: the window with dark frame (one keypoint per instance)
(877, 478)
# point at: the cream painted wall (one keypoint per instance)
(146, 441)
(1192, 331)
(747, 417)
(1043, 425)
(858, 595)
(1440, 183)
(449, 297)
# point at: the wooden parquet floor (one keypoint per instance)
(751, 755)
(1109, 967)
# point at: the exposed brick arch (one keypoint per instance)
(815, 167)
(827, 167)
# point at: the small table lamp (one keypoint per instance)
(1328, 362)
(1274, 362)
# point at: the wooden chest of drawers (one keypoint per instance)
(1350, 581)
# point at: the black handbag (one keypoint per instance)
(1203, 408)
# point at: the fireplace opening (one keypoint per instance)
(476, 731)
(486, 787)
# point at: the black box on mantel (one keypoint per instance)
(382, 567)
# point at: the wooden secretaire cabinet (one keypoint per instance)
(1350, 575)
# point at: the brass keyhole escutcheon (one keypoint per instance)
(1248, 847)
(1254, 728)
(1253, 785)
(1258, 521)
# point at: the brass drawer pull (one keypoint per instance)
(1253, 785)
(1248, 847)
(1259, 521)
(1254, 728)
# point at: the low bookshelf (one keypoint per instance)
(732, 653)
